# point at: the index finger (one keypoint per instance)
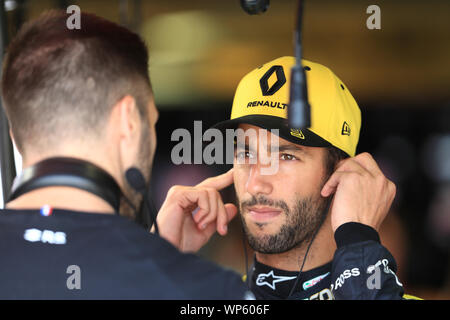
(368, 162)
(362, 161)
(218, 182)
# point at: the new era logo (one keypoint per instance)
(345, 129)
(297, 133)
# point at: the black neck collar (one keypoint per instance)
(278, 283)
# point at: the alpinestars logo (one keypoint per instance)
(270, 280)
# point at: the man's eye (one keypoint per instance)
(288, 157)
(243, 154)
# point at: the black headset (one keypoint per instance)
(81, 174)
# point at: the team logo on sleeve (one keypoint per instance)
(270, 280)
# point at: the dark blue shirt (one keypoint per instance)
(80, 255)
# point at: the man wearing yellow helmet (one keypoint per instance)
(312, 221)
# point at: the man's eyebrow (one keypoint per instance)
(281, 148)
(289, 147)
(245, 146)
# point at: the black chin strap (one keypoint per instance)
(68, 172)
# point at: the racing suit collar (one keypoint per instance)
(277, 283)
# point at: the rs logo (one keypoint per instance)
(45, 236)
(264, 81)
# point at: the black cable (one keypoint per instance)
(299, 110)
(152, 213)
(298, 33)
(303, 264)
(246, 257)
(136, 180)
(309, 246)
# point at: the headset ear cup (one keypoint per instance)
(68, 172)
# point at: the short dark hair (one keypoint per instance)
(332, 157)
(58, 82)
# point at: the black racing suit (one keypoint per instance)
(361, 269)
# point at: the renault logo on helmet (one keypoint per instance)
(264, 81)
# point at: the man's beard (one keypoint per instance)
(144, 163)
(302, 222)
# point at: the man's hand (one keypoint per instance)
(361, 192)
(190, 215)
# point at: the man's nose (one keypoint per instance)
(258, 183)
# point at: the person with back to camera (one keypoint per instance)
(83, 99)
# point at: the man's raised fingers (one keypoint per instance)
(211, 215)
(225, 217)
(222, 219)
(218, 182)
(366, 160)
(331, 185)
(351, 164)
(199, 198)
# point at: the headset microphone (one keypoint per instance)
(299, 110)
(255, 6)
(136, 180)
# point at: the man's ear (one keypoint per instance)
(129, 116)
(128, 125)
(11, 134)
(14, 142)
